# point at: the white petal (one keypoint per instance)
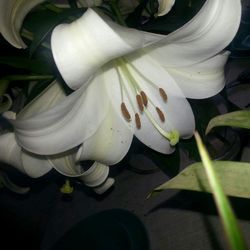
(12, 14)
(12, 154)
(90, 42)
(67, 124)
(35, 165)
(111, 141)
(47, 99)
(165, 6)
(210, 31)
(201, 80)
(66, 163)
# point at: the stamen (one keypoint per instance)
(163, 94)
(140, 102)
(160, 113)
(137, 121)
(144, 98)
(125, 112)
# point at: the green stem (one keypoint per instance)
(116, 12)
(225, 210)
(27, 77)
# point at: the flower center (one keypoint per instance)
(127, 71)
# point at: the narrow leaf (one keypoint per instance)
(226, 213)
(240, 119)
(27, 77)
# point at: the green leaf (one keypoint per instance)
(234, 177)
(219, 178)
(240, 119)
(34, 65)
(28, 77)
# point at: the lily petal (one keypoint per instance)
(35, 165)
(12, 14)
(11, 153)
(66, 125)
(85, 48)
(66, 163)
(48, 98)
(210, 31)
(201, 80)
(165, 6)
(111, 141)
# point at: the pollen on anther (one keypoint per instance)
(137, 121)
(139, 102)
(163, 94)
(144, 98)
(125, 112)
(160, 114)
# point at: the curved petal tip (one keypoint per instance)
(12, 14)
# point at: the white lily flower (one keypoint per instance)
(12, 14)
(129, 83)
(66, 163)
(165, 6)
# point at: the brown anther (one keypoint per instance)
(161, 115)
(163, 94)
(125, 112)
(139, 102)
(137, 121)
(144, 98)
